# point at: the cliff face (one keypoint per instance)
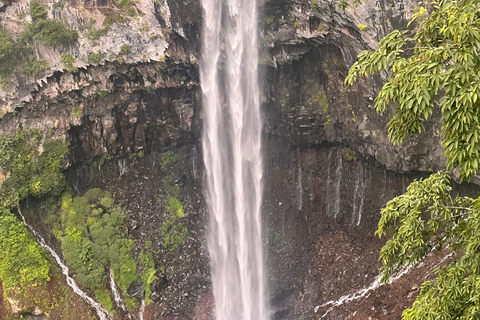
(329, 167)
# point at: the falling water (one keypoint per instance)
(142, 310)
(232, 154)
(116, 294)
(101, 312)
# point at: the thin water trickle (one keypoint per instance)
(231, 145)
(338, 177)
(116, 294)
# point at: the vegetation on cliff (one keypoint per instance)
(48, 32)
(95, 238)
(26, 172)
(436, 65)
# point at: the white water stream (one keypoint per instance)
(101, 312)
(231, 145)
(116, 294)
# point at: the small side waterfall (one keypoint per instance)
(116, 294)
(101, 312)
(358, 196)
(231, 144)
(142, 310)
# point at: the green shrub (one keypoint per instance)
(125, 49)
(34, 66)
(38, 11)
(95, 34)
(10, 53)
(89, 251)
(6, 44)
(68, 61)
(48, 32)
(30, 173)
(94, 57)
(103, 296)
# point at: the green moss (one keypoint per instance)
(296, 25)
(270, 19)
(22, 262)
(328, 120)
(169, 159)
(363, 27)
(77, 111)
(320, 99)
(149, 272)
(173, 231)
(348, 154)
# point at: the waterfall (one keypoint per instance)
(231, 145)
(142, 310)
(358, 195)
(101, 312)
(116, 294)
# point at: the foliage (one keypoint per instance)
(172, 229)
(149, 272)
(26, 172)
(94, 57)
(344, 4)
(103, 296)
(363, 27)
(169, 158)
(95, 238)
(435, 66)
(425, 218)
(48, 32)
(22, 262)
(68, 61)
(77, 111)
(38, 11)
(6, 44)
(11, 53)
(29, 172)
(33, 66)
(125, 49)
(348, 154)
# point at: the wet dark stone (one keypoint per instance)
(136, 290)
